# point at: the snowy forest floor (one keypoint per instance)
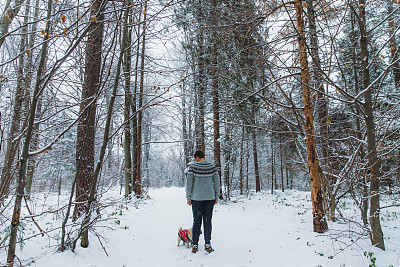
(259, 230)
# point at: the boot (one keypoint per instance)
(208, 248)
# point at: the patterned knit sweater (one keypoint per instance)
(202, 181)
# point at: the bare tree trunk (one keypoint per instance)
(92, 195)
(281, 156)
(398, 167)
(200, 110)
(396, 66)
(364, 202)
(319, 221)
(86, 123)
(127, 36)
(7, 17)
(247, 169)
(127, 146)
(64, 223)
(201, 86)
(241, 162)
(34, 145)
(255, 159)
(228, 152)
(138, 181)
(272, 165)
(217, 144)
(227, 176)
(13, 143)
(185, 134)
(373, 162)
(190, 132)
(321, 103)
(134, 110)
(28, 79)
(146, 151)
(214, 74)
(25, 152)
(393, 47)
(287, 171)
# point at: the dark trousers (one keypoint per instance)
(202, 211)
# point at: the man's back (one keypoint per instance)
(202, 181)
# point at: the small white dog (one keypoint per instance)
(185, 236)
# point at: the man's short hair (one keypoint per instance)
(199, 154)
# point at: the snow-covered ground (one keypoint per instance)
(262, 230)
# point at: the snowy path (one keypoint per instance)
(264, 231)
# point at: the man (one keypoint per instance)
(202, 189)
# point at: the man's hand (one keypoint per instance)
(189, 202)
(216, 202)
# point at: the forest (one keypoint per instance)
(107, 95)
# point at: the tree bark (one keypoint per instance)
(364, 204)
(15, 221)
(373, 162)
(86, 123)
(64, 223)
(321, 103)
(133, 105)
(287, 171)
(255, 159)
(128, 103)
(281, 157)
(393, 47)
(34, 145)
(247, 169)
(215, 92)
(217, 135)
(201, 85)
(272, 165)
(28, 79)
(7, 17)
(146, 152)
(319, 221)
(185, 134)
(13, 143)
(228, 153)
(241, 162)
(93, 188)
(227, 175)
(317, 81)
(395, 66)
(138, 181)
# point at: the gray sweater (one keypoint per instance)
(202, 181)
